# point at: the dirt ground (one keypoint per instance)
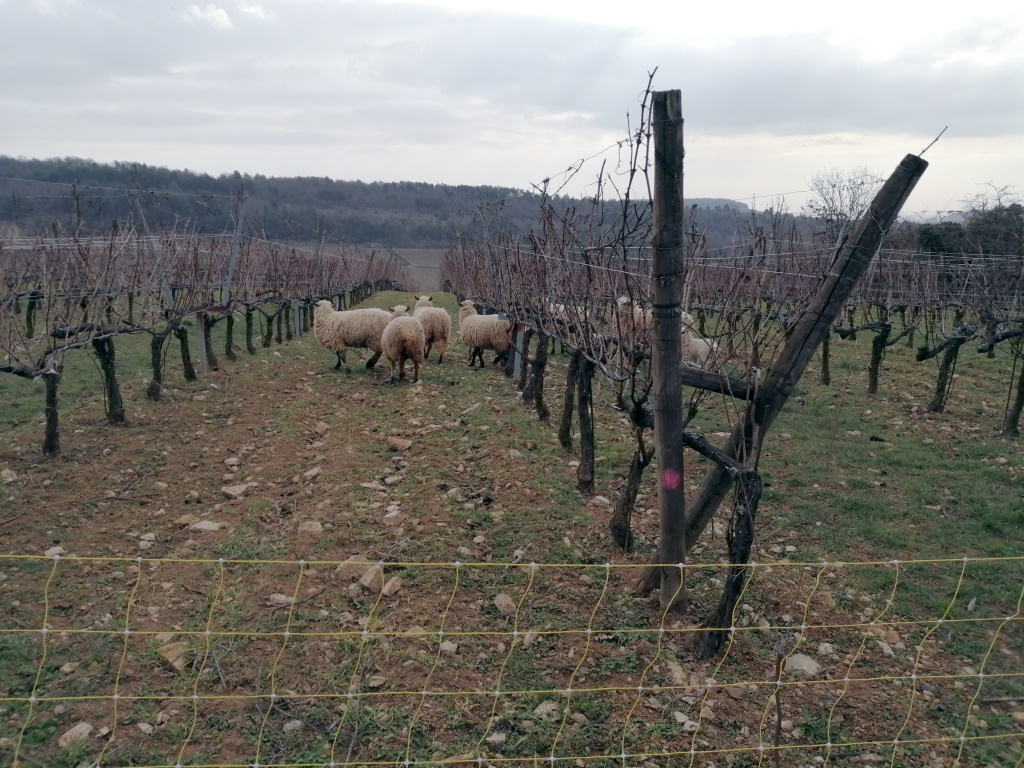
(208, 579)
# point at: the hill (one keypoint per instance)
(407, 214)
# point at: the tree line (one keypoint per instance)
(36, 193)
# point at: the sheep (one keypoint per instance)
(633, 318)
(403, 339)
(351, 328)
(695, 348)
(480, 332)
(437, 326)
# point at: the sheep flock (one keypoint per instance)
(402, 337)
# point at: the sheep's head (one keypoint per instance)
(424, 301)
(399, 310)
(466, 309)
(323, 306)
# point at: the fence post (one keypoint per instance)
(667, 280)
(518, 351)
(201, 341)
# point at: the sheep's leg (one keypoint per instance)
(416, 371)
(337, 366)
(401, 368)
(341, 356)
(442, 347)
(373, 360)
(426, 353)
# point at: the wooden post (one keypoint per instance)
(851, 261)
(519, 352)
(201, 341)
(667, 281)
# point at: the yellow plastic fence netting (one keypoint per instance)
(225, 663)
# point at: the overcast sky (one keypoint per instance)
(451, 91)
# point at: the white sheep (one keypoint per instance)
(437, 326)
(358, 328)
(633, 319)
(480, 332)
(695, 348)
(403, 339)
(698, 350)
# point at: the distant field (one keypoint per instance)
(424, 266)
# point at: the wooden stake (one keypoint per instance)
(667, 281)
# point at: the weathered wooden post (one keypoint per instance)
(667, 281)
(851, 261)
(201, 335)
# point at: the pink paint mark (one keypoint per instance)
(670, 479)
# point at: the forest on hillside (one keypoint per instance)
(36, 193)
(85, 196)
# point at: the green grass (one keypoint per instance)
(931, 488)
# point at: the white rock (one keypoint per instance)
(313, 473)
(353, 568)
(233, 461)
(496, 739)
(802, 665)
(234, 491)
(312, 527)
(373, 579)
(505, 604)
(53, 552)
(399, 444)
(392, 586)
(8, 476)
(78, 732)
(279, 600)
(207, 525)
(292, 725)
(449, 647)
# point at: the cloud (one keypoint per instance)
(393, 91)
(216, 17)
(256, 11)
(52, 7)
